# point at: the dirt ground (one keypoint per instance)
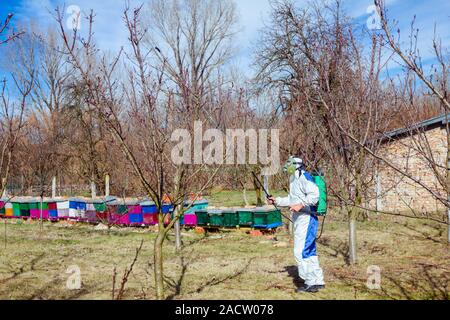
(413, 256)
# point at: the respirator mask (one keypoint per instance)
(292, 165)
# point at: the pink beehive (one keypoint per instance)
(190, 220)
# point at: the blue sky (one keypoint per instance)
(111, 35)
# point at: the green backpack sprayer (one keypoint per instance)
(322, 205)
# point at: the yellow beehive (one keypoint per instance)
(9, 210)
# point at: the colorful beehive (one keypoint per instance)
(167, 208)
(34, 209)
(202, 218)
(34, 206)
(135, 215)
(52, 209)
(16, 209)
(267, 218)
(24, 209)
(215, 218)
(63, 209)
(9, 210)
(190, 218)
(149, 213)
(197, 205)
(230, 218)
(245, 217)
(118, 212)
(77, 209)
(101, 212)
(2, 208)
(44, 210)
(73, 209)
(91, 213)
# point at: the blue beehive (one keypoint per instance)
(198, 205)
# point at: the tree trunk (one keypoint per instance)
(54, 187)
(158, 257)
(448, 176)
(107, 185)
(244, 195)
(3, 190)
(93, 190)
(259, 201)
(178, 210)
(352, 247)
(158, 261)
(266, 183)
(448, 225)
(177, 230)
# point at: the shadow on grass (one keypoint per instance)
(293, 273)
(422, 285)
(49, 288)
(425, 235)
(26, 267)
(176, 285)
(338, 248)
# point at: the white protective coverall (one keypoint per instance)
(303, 190)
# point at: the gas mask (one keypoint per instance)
(292, 165)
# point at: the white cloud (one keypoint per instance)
(111, 34)
(109, 29)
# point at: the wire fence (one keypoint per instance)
(36, 190)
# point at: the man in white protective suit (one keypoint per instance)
(302, 202)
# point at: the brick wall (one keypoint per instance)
(398, 193)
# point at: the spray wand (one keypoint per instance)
(268, 195)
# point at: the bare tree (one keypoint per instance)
(312, 58)
(438, 86)
(134, 104)
(4, 27)
(193, 39)
(12, 121)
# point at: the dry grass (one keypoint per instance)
(413, 255)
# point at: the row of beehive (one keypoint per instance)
(134, 212)
(112, 211)
(263, 218)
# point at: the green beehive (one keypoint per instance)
(216, 218)
(122, 209)
(245, 217)
(230, 218)
(33, 205)
(202, 217)
(16, 209)
(267, 218)
(44, 206)
(24, 209)
(100, 207)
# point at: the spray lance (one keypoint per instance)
(268, 195)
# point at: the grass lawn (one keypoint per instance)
(413, 256)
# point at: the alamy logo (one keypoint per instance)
(74, 280)
(373, 278)
(215, 147)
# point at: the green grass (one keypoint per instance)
(412, 254)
